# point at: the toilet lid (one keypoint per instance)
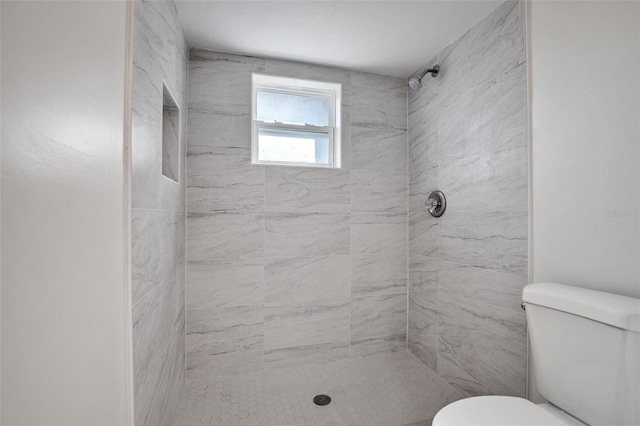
(495, 411)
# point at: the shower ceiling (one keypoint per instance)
(385, 37)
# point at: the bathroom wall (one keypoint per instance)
(586, 144)
(290, 266)
(158, 216)
(65, 356)
(468, 138)
(585, 147)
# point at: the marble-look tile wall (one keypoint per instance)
(467, 137)
(158, 217)
(290, 266)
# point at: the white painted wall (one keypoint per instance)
(585, 79)
(64, 317)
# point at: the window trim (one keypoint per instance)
(296, 86)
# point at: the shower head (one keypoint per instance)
(416, 82)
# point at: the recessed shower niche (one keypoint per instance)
(170, 135)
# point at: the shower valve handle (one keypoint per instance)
(436, 203)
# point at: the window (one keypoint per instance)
(295, 122)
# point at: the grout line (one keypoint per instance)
(350, 218)
(264, 244)
(495, 271)
(159, 210)
(407, 219)
(186, 203)
(305, 321)
(438, 229)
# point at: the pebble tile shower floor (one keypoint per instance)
(387, 390)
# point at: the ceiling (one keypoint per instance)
(392, 37)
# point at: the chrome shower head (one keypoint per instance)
(416, 82)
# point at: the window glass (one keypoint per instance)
(291, 108)
(286, 145)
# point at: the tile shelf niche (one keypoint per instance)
(170, 135)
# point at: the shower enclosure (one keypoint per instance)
(303, 271)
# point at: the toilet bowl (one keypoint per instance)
(502, 411)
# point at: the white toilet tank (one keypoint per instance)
(586, 350)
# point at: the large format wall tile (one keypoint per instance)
(156, 354)
(495, 361)
(379, 109)
(423, 278)
(309, 72)
(221, 82)
(378, 218)
(471, 179)
(378, 149)
(304, 355)
(423, 122)
(223, 179)
(377, 345)
(222, 235)
(306, 234)
(181, 266)
(378, 192)
(377, 81)
(153, 241)
(224, 283)
(323, 336)
(425, 349)
(422, 181)
(423, 309)
(295, 279)
(378, 259)
(461, 381)
(244, 361)
(291, 189)
(423, 317)
(493, 121)
(375, 316)
(214, 129)
(306, 333)
(485, 297)
(316, 310)
(487, 239)
(216, 335)
(483, 55)
(423, 233)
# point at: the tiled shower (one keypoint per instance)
(160, 56)
(290, 266)
(269, 269)
(468, 137)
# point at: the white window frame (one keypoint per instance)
(296, 86)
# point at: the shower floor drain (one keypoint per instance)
(322, 399)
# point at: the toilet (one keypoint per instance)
(586, 348)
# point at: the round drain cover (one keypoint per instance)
(322, 399)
